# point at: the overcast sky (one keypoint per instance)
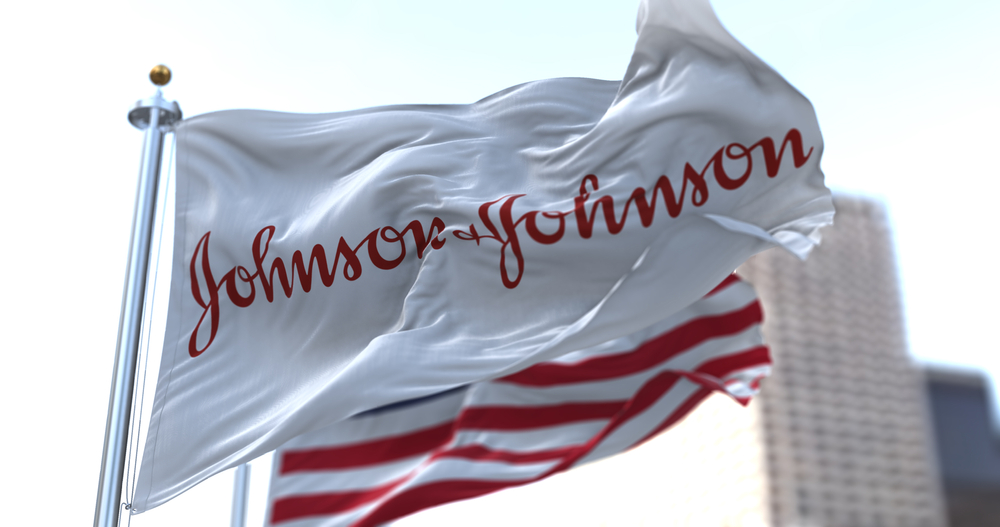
(906, 93)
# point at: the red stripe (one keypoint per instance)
(367, 453)
(730, 280)
(722, 366)
(295, 507)
(646, 356)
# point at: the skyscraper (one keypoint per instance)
(843, 418)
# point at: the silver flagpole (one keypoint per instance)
(241, 491)
(155, 116)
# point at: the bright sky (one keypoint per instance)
(905, 92)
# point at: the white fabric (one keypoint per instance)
(487, 298)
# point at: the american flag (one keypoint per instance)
(396, 460)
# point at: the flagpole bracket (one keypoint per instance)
(170, 112)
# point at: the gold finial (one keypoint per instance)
(160, 75)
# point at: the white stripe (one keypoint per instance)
(536, 439)
(340, 480)
(466, 469)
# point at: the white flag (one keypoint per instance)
(325, 265)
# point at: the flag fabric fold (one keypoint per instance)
(327, 265)
(389, 462)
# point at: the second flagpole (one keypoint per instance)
(241, 496)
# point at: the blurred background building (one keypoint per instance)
(968, 448)
(843, 418)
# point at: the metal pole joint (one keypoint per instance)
(168, 112)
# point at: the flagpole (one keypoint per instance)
(241, 491)
(155, 116)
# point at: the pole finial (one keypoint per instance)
(160, 75)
